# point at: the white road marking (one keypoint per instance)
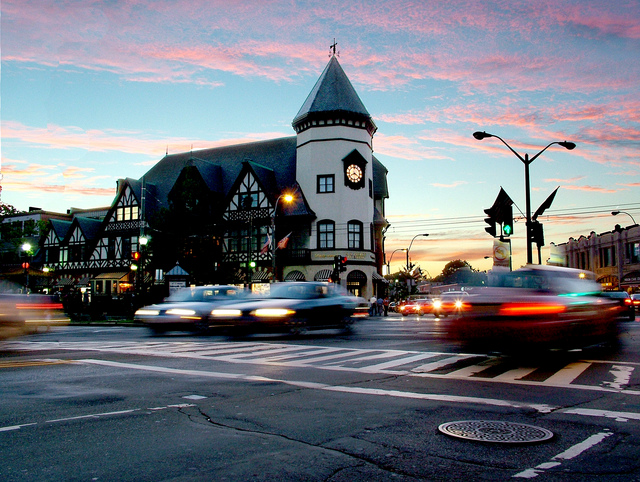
(543, 408)
(568, 454)
(621, 375)
(568, 374)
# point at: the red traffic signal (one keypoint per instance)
(343, 263)
(135, 255)
(25, 265)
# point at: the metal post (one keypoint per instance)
(527, 188)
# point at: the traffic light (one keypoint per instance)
(336, 263)
(342, 264)
(536, 233)
(507, 221)
(491, 221)
(135, 259)
(500, 213)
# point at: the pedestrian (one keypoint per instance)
(379, 302)
(374, 306)
(385, 303)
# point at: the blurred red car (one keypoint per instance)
(558, 307)
(415, 307)
(449, 303)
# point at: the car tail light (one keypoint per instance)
(529, 309)
(627, 301)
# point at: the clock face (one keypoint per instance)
(354, 173)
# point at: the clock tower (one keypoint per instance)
(334, 168)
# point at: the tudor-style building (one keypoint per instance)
(214, 211)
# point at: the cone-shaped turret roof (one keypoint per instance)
(333, 93)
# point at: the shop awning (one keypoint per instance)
(322, 275)
(379, 277)
(65, 282)
(113, 276)
(84, 281)
(295, 276)
(260, 276)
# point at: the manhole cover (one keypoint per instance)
(498, 432)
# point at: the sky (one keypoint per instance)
(94, 91)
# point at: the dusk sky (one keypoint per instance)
(93, 91)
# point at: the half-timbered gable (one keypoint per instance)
(54, 251)
(247, 216)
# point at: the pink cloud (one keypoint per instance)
(131, 142)
(590, 189)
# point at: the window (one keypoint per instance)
(633, 252)
(326, 183)
(326, 235)
(370, 188)
(127, 213)
(354, 234)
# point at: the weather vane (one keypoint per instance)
(332, 49)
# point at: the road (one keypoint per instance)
(115, 403)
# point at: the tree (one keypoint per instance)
(452, 266)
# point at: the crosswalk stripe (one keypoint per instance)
(428, 367)
(568, 374)
(399, 362)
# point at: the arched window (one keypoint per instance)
(326, 235)
(354, 234)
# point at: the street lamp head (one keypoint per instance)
(481, 135)
(288, 198)
(567, 145)
(26, 247)
(615, 213)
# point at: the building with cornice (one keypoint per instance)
(221, 214)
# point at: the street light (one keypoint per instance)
(287, 197)
(391, 257)
(409, 248)
(526, 161)
(615, 213)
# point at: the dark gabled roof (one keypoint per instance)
(90, 227)
(60, 227)
(333, 92)
(221, 166)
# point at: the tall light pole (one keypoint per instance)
(391, 257)
(287, 198)
(527, 186)
(409, 248)
(615, 213)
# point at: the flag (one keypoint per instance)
(283, 242)
(265, 248)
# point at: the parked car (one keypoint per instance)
(535, 306)
(448, 303)
(189, 309)
(635, 300)
(294, 307)
(627, 310)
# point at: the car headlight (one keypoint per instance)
(273, 312)
(147, 312)
(437, 304)
(181, 312)
(221, 312)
